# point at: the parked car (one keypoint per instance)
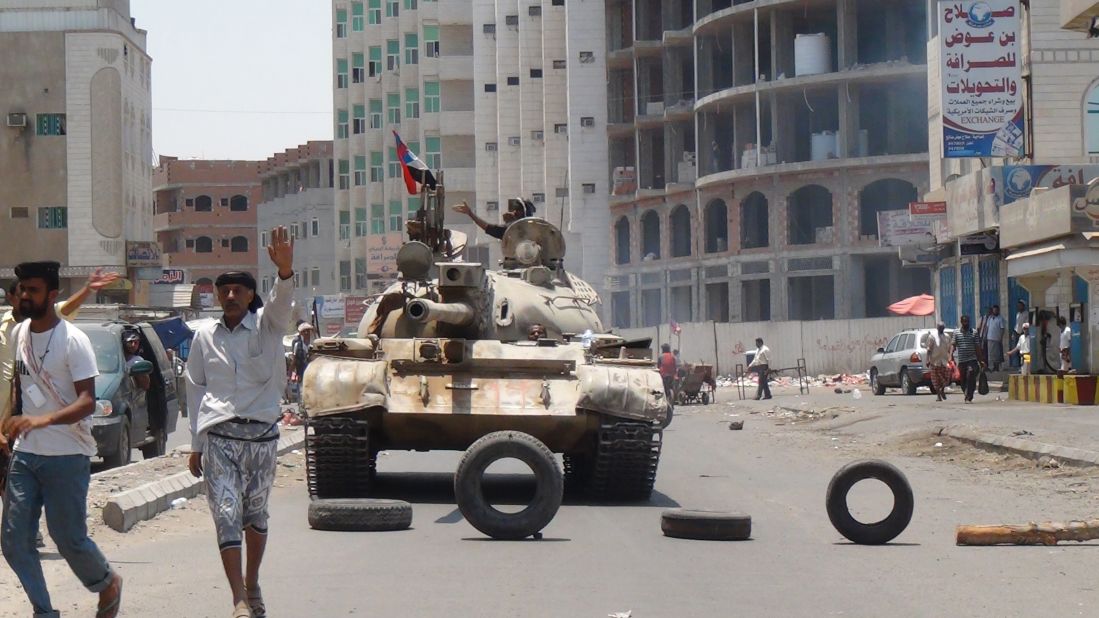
(902, 363)
(127, 417)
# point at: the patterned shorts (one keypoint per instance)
(239, 467)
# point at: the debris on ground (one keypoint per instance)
(736, 425)
(625, 614)
(807, 414)
(1049, 533)
(1020, 433)
(821, 381)
(1049, 463)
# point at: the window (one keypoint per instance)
(374, 17)
(491, 147)
(375, 113)
(393, 107)
(514, 140)
(238, 203)
(392, 8)
(345, 225)
(411, 48)
(589, 188)
(294, 231)
(535, 73)
(511, 20)
(377, 219)
(304, 230)
(431, 41)
(534, 11)
(239, 244)
(53, 218)
(561, 129)
(203, 203)
(345, 275)
(587, 57)
(376, 165)
(562, 192)
(316, 276)
(1091, 122)
(557, 2)
(413, 206)
(538, 198)
(360, 170)
(431, 97)
(204, 244)
(410, 5)
(360, 222)
(358, 68)
(411, 103)
(345, 174)
(587, 121)
(190, 242)
(394, 164)
(341, 124)
(490, 87)
(513, 81)
(396, 216)
(20, 212)
(360, 273)
(375, 60)
(537, 135)
(392, 54)
(316, 231)
(341, 73)
(50, 124)
(341, 23)
(359, 125)
(560, 64)
(263, 239)
(433, 158)
(356, 16)
(488, 29)
(190, 202)
(492, 206)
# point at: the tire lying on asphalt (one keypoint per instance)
(359, 515)
(706, 525)
(876, 533)
(471, 499)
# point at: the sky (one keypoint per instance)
(238, 79)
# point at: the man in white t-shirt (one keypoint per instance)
(55, 373)
(1065, 344)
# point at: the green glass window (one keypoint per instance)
(360, 170)
(345, 174)
(433, 157)
(375, 60)
(411, 48)
(396, 216)
(375, 14)
(411, 103)
(341, 72)
(345, 225)
(341, 23)
(431, 41)
(393, 107)
(375, 113)
(431, 97)
(360, 222)
(360, 119)
(377, 166)
(413, 206)
(357, 16)
(394, 164)
(341, 124)
(377, 219)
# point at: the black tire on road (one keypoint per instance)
(876, 533)
(121, 455)
(471, 499)
(360, 515)
(706, 525)
(875, 383)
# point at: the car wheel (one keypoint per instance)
(158, 446)
(121, 454)
(875, 383)
(907, 385)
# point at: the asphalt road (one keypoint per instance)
(601, 559)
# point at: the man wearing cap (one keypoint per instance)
(235, 381)
(300, 351)
(131, 345)
(55, 371)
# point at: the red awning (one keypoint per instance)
(916, 305)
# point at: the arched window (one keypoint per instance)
(809, 212)
(1091, 121)
(203, 203)
(717, 227)
(650, 236)
(882, 196)
(755, 231)
(681, 231)
(203, 244)
(238, 203)
(622, 241)
(239, 244)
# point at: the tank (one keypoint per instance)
(812, 54)
(452, 351)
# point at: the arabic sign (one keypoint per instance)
(974, 201)
(381, 253)
(981, 79)
(141, 253)
(1054, 213)
(979, 244)
(1020, 180)
(171, 276)
(331, 307)
(354, 309)
(927, 211)
(897, 229)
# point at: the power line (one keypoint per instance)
(234, 111)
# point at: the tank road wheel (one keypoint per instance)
(626, 456)
(470, 495)
(577, 472)
(338, 459)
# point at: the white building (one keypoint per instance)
(495, 114)
(69, 192)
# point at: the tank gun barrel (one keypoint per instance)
(423, 310)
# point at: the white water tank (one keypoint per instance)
(812, 54)
(823, 146)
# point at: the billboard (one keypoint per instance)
(982, 89)
(1020, 180)
(896, 228)
(142, 253)
(381, 254)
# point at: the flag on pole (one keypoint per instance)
(415, 171)
(676, 328)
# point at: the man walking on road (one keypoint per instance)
(994, 337)
(967, 350)
(234, 383)
(938, 360)
(762, 364)
(667, 366)
(55, 371)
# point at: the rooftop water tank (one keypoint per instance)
(812, 54)
(823, 146)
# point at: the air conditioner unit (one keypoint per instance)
(17, 119)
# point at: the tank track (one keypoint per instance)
(623, 466)
(338, 460)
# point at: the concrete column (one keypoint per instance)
(848, 33)
(782, 44)
(846, 128)
(780, 292)
(735, 300)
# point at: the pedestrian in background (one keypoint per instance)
(1022, 316)
(762, 365)
(235, 380)
(55, 371)
(1022, 348)
(938, 346)
(667, 366)
(967, 350)
(1065, 345)
(995, 327)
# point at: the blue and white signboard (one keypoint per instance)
(982, 87)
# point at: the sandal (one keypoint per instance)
(242, 611)
(255, 601)
(111, 610)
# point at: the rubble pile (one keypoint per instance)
(805, 414)
(833, 381)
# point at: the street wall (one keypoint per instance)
(828, 346)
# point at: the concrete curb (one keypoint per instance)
(1027, 448)
(144, 502)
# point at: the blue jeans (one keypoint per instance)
(60, 484)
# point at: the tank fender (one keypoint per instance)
(332, 385)
(628, 392)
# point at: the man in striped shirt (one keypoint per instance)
(967, 349)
